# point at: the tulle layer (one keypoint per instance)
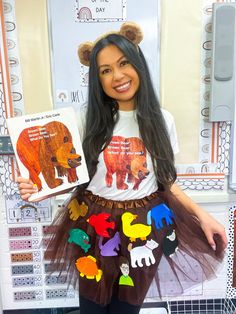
(148, 247)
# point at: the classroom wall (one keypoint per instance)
(180, 70)
(180, 73)
(181, 30)
(32, 26)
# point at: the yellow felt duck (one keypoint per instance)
(134, 231)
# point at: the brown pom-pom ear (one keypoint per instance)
(132, 31)
(84, 52)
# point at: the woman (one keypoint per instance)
(134, 212)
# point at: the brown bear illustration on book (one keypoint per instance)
(49, 150)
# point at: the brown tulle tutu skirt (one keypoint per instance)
(147, 247)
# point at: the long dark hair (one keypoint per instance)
(102, 114)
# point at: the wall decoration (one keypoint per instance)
(231, 272)
(19, 211)
(214, 138)
(70, 78)
(10, 88)
(100, 10)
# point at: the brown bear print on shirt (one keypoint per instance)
(125, 159)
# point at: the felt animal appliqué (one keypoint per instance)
(143, 252)
(170, 243)
(48, 150)
(87, 267)
(77, 209)
(80, 238)
(160, 213)
(134, 231)
(111, 247)
(100, 224)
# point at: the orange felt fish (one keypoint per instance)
(100, 224)
(87, 267)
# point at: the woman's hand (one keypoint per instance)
(26, 188)
(213, 228)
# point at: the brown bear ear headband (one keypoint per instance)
(129, 30)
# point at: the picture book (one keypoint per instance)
(48, 150)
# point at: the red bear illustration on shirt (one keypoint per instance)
(126, 158)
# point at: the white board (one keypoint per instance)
(69, 28)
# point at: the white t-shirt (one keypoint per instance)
(125, 170)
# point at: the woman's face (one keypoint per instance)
(118, 77)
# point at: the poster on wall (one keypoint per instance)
(100, 10)
(86, 21)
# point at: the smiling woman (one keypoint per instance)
(135, 212)
(118, 77)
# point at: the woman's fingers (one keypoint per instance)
(25, 196)
(224, 240)
(23, 180)
(210, 239)
(25, 183)
(26, 187)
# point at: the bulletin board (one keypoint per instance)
(85, 21)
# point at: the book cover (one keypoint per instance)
(48, 150)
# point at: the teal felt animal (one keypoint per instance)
(80, 238)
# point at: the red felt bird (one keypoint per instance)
(100, 224)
